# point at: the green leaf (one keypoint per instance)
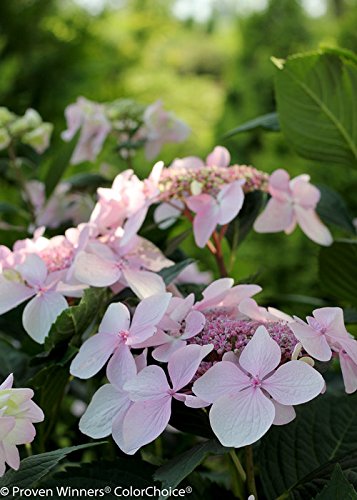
(57, 165)
(50, 383)
(317, 106)
(36, 467)
(175, 470)
(76, 319)
(269, 122)
(333, 210)
(170, 273)
(337, 487)
(323, 433)
(239, 228)
(338, 270)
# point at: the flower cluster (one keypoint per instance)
(131, 124)
(252, 364)
(28, 129)
(18, 413)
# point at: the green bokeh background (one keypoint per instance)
(215, 74)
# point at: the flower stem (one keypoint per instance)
(238, 465)
(249, 461)
(219, 255)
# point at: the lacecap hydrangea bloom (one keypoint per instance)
(223, 350)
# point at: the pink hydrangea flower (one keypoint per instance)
(18, 413)
(152, 395)
(90, 118)
(212, 211)
(293, 202)
(182, 323)
(323, 331)
(117, 335)
(32, 279)
(349, 371)
(247, 395)
(160, 127)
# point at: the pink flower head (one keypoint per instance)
(293, 202)
(134, 265)
(90, 117)
(182, 323)
(32, 279)
(222, 293)
(117, 335)
(18, 413)
(349, 371)
(250, 394)
(323, 331)
(152, 395)
(160, 127)
(211, 211)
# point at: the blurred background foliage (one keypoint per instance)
(209, 61)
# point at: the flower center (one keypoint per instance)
(123, 335)
(256, 382)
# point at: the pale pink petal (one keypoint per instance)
(240, 292)
(147, 315)
(304, 193)
(33, 270)
(33, 412)
(23, 432)
(95, 271)
(12, 294)
(144, 422)
(279, 185)
(243, 418)
(223, 378)
(184, 364)
(12, 456)
(294, 383)
(313, 342)
(93, 355)
(261, 355)
(98, 418)
(150, 383)
(115, 319)
(220, 157)
(230, 200)
(332, 319)
(166, 214)
(349, 372)
(284, 414)
(193, 401)
(204, 224)
(144, 283)
(133, 224)
(250, 308)
(194, 321)
(6, 424)
(141, 361)
(214, 293)
(117, 426)
(164, 352)
(276, 216)
(350, 346)
(8, 382)
(200, 202)
(121, 366)
(41, 312)
(312, 226)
